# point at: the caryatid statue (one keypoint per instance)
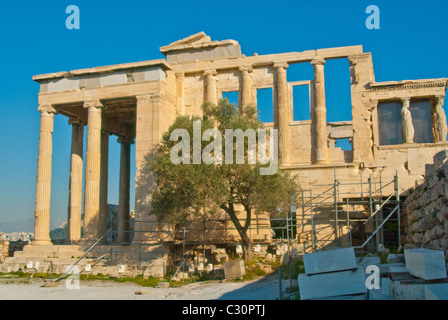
(406, 117)
(439, 119)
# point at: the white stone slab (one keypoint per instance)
(332, 284)
(383, 293)
(234, 269)
(425, 263)
(330, 260)
(436, 291)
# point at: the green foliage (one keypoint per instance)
(187, 191)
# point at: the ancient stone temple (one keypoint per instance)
(396, 128)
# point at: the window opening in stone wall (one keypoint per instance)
(338, 90)
(232, 96)
(421, 120)
(344, 144)
(265, 105)
(301, 102)
(390, 123)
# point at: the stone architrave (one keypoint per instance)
(320, 111)
(75, 188)
(43, 183)
(283, 113)
(407, 126)
(439, 120)
(246, 86)
(210, 82)
(93, 170)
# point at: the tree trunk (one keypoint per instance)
(242, 231)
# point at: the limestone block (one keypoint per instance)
(425, 263)
(395, 258)
(437, 232)
(384, 293)
(440, 158)
(332, 284)
(368, 261)
(329, 261)
(442, 215)
(436, 291)
(234, 269)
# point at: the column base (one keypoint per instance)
(42, 242)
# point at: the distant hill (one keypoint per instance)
(25, 225)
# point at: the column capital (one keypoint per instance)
(46, 108)
(210, 72)
(318, 62)
(128, 140)
(180, 75)
(405, 101)
(75, 120)
(145, 98)
(246, 69)
(280, 65)
(95, 104)
(439, 99)
(105, 132)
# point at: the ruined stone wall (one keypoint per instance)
(425, 212)
(4, 250)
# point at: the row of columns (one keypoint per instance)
(96, 179)
(282, 110)
(438, 121)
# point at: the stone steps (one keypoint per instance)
(152, 259)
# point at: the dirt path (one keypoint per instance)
(261, 289)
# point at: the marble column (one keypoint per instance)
(210, 83)
(43, 182)
(103, 226)
(406, 118)
(75, 188)
(320, 112)
(246, 86)
(93, 170)
(124, 195)
(283, 112)
(439, 121)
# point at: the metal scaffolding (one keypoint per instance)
(336, 200)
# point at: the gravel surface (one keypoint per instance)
(261, 289)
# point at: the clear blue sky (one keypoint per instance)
(411, 44)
